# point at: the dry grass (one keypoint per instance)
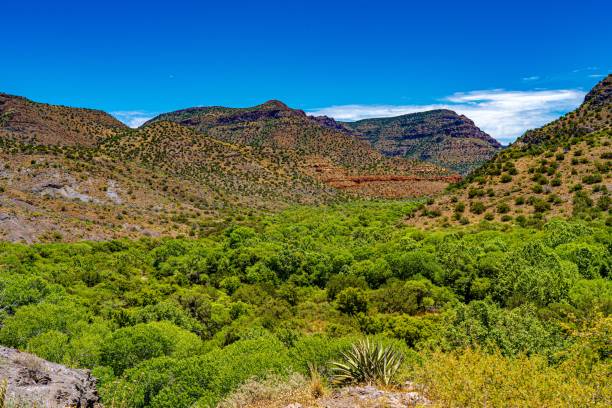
(469, 378)
(273, 392)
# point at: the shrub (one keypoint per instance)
(352, 301)
(50, 345)
(592, 179)
(477, 207)
(367, 363)
(31, 320)
(475, 192)
(503, 208)
(317, 349)
(470, 378)
(540, 206)
(131, 345)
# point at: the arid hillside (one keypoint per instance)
(315, 142)
(39, 123)
(561, 169)
(75, 174)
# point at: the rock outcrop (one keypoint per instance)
(32, 381)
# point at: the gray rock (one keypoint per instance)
(112, 193)
(32, 381)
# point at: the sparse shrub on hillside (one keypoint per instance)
(540, 206)
(592, 179)
(475, 192)
(604, 203)
(576, 187)
(503, 208)
(477, 207)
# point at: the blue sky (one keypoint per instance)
(508, 65)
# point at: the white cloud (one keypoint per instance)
(596, 76)
(503, 114)
(133, 119)
(531, 78)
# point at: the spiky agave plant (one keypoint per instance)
(367, 362)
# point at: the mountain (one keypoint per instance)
(274, 125)
(79, 174)
(439, 136)
(320, 147)
(561, 169)
(39, 123)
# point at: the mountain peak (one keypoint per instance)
(601, 94)
(274, 104)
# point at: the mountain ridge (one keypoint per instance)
(440, 136)
(24, 120)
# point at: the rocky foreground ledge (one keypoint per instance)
(31, 381)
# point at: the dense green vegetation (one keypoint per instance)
(176, 322)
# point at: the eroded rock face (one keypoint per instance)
(32, 381)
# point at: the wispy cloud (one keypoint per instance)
(134, 118)
(531, 78)
(596, 76)
(585, 69)
(503, 114)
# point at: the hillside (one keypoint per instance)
(438, 136)
(39, 123)
(560, 169)
(319, 146)
(74, 174)
(163, 179)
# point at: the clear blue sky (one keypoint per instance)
(158, 56)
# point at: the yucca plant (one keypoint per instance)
(367, 362)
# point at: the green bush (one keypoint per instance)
(131, 345)
(352, 301)
(477, 207)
